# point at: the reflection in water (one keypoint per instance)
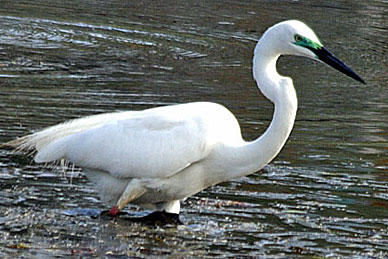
(324, 195)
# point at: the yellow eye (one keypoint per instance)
(298, 38)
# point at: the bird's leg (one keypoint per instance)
(168, 213)
(159, 218)
(133, 191)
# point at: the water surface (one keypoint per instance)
(325, 195)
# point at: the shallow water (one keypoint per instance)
(325, 195)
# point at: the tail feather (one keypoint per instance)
(37, 142)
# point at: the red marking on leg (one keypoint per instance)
(113, 212)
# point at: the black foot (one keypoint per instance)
(158, 218)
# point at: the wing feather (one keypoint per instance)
(152, 143)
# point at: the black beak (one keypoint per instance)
(325, 56)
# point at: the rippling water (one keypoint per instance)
(325, 195)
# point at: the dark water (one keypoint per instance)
(325, 195)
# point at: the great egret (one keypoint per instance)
(159, 156)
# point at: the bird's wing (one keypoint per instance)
(152, 143)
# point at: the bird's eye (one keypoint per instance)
(298, 38)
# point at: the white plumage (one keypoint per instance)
(159, 156)
(152, 139)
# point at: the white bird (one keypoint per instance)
(160, 156)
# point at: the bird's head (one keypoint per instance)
(296, 38)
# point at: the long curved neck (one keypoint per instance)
(252, 156)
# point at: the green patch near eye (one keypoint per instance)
(305, 42)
